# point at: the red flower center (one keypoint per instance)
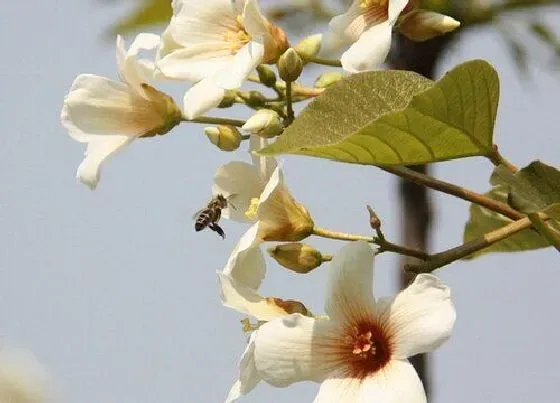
(367, 348)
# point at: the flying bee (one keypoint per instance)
(211, 214)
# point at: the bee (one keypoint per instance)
(211, 214)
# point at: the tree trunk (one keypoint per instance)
(416, 216)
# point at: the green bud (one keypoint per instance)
(297, 257)
(265, 123)
(228, 99)
(253, 99)
(309, 47)
(267, 76)
(327, 79)
(290, 65)
(226, 138)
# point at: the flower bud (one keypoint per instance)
(327, 79)
(226, 138)
(421, 25)
(267, 76)
(253, 99)
(309, 47)
(290, 65)
(228, 99)
(298, 257)
(264, 123)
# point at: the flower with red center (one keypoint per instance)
(360, 352)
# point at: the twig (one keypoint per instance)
(216, 121)
(454, 190)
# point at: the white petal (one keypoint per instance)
(294, 348)
(370, 51)
(265, 165)
(242, 182)
(253, 19)
(97, 105)
(248, 376)
(345, 28)
(396, 383)
(99, 148)
(196, 62)
(421, 317)
(22, 378)
(395, 9)
(202, 97)
(133, 71)
(246, 263)
(350, 288)
(244, 61)
(244, 299)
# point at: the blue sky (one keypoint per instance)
(117, 295)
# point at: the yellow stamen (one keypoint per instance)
(251, 212)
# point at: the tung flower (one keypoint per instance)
(360, 353)
(366, 28)
(107, 115)
(22, 378)
(216, 44)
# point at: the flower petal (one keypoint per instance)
(350, 288)
(254, 20)
(246, 263)
(244, 61)
(294, 348)
(202, 97)
(22, 378)
(396, 383)
(134, 71)
(99, 148)
(265, 165)
(421, 317)
(244, 299)
(395, 9)
(248, 375)
(370, 51)
(243, 183)
(97, 105)
(196, 62)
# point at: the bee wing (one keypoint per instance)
(229, 200)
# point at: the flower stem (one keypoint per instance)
(446, 257)
(454, 190)
(289, 103)
(498, 159)
(384, 245)
(325, 62)
(216, 121)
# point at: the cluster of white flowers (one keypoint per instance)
(359, 349)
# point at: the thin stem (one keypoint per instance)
(542, 227)
(325, 62)
(498, 159)
(341, 236)
(289, 104)
(454, 190)
(215, 121)
(449, 256)
(384, 245)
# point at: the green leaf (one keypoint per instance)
(532, 189)
(398, 118)
(148, 13)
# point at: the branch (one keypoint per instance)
(216, 121)
(454, 190)
(449, 256)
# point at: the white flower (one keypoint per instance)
(216, 45)
(366, 27)
(107, 115)
(22, 378)
(360, 353)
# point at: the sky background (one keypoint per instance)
(117, 295)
